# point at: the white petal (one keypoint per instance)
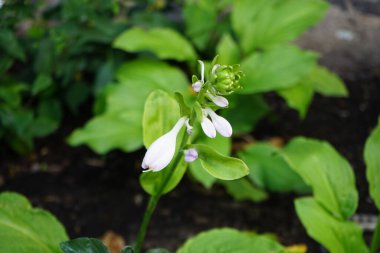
(221, 124)
(208, 127)
(161, 151)
(218, 100)
(197, 86)
(191, 155)
(202, 71)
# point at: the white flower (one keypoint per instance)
(218, 100)
(1, 3)
(191, 155)
(221, 124)
(198, 84)
(207, 126)
(161, 151)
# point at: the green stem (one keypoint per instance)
(375, 243)
(153, 200)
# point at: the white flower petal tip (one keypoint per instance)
(191, 155)
(221, 124)
(197, 86)
(208, 127)
(219, 100)
(161, 151)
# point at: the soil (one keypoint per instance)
(92, 194)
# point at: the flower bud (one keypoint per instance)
(191, 155)
(227, 79)
(161, 151)
(218, 100)
(208, 127)
(197, 86)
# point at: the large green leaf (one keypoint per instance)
(269, 170)
(263, 24)
(163, 42)
(84, 245)
(220, 166)
(220, 144)
(200, 19)
(298, 97)
(228, 50)
(336, 235)
(10, 44)
(116, 130)
(372, 160)
(123, 105)
(160, 115)
(279, 68)
(327, 172)
(24, 229)
(228, 240)
(327, 83)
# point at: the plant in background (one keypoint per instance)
(256, 34)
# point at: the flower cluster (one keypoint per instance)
(222, 80)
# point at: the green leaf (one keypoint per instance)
(269, 170)
(336, 235)
(327, 83)
(76, 95)
(152, 181)
(279, 68)
(123, 104)
(160, 114)
(265, 24)
(228, 50)
(84, 245)
(298, 97)
(165, 43)
(127, 249)
(200, 20)
(227, 240)
(245, 111)
(243, 189)
(118, 130)
(24, 229)
(221, 145)
(327, 172)
(372, 160)
(41, 83)
(220, 166)
(10, 44)
(158, 251)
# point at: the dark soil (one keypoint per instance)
(91, 194)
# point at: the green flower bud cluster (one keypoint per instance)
(226, 78)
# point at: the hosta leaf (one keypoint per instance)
(275, 69)
(372, 160)
(264, 24)
(160, 115)
(24, 229)
(84, 245)
(163, 42)
(336, 235)
(227, 240)
(327, 172)
(123, 105)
